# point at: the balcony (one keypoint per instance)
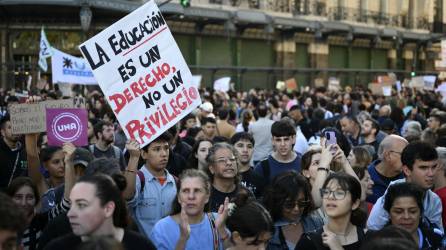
(344, 14)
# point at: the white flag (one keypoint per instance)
(45, 51)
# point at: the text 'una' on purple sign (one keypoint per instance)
(67, 125)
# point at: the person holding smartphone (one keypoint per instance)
(333, 159)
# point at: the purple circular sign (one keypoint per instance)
(66, 127)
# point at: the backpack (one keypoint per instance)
(116, 150)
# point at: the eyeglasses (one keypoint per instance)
(395, 152)
(299, 203)
(337, 194)
(225, 160)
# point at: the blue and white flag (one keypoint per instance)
(70, 69)
(45, 51)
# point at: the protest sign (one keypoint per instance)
(319, 82)
(417, 82)
(398, 86)
(334, 84)
(376, 88)
(429, 82)
(441, 89)
(387, 90)
(291, 84)
(142, 73)
(280, 85)
(222, 84)
(70, 69)
(31, 118)
(196, 81)
(67, 125)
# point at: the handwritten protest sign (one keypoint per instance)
(31, 118)
(67, 125)
(142, 73)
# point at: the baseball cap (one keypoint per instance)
(207, 107)
(82, 157)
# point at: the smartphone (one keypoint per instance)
(331, 138)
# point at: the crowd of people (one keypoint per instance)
(260, 169)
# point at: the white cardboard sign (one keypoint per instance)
(142, 73)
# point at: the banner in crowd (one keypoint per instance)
(31, 118)
(70, 69)
(45, 51)
(67, 125)
(142, 73)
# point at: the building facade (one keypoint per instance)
(256, 42)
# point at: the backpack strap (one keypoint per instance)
(142, 179)
(265, 169)
(117, 152)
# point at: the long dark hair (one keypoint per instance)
(109, 189)
(191, 173)
(20, 182)
(353, 186)
(192, 160)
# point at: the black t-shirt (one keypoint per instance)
(313, 241)
(254, 182)
(218, 198)
(13, 163)
(130, 241)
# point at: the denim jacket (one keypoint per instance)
(310, 222)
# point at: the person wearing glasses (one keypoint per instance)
(290, 204)
(341, 197)
(223, 172)
(387, 167)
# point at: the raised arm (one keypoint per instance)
(70, 178)
(34, 163)
(132, 169)
(322, 172)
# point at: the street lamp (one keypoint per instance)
(85, 16)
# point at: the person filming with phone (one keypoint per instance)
(335, 149)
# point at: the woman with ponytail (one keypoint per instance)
(341, 197)
(97, 209)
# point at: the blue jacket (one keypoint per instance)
(380, 185)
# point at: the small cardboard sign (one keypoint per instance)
(319, 82)
(334, 84)
(67, 125)
(280, 85)
(291, 84)
(31, 118)
(222, 84)
(376, 88)
(387, 90)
